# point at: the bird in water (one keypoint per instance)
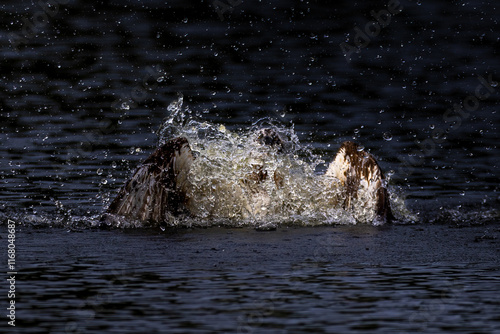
(261, 180)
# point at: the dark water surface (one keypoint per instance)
(397, 279)
(84, 88)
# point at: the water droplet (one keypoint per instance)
(387, 136)
(125, 106)
(99, 171)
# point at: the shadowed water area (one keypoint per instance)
(85, 87)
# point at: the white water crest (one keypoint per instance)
(233, 178)
(233, 182)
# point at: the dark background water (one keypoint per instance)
(66, 90)
(84, 88)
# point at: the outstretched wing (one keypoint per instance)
(157, 188)
(361, 177)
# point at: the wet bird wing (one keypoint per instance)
(157, 188)
(358, 172)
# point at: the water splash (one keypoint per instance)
(235, 180)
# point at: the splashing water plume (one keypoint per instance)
(236, 181)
